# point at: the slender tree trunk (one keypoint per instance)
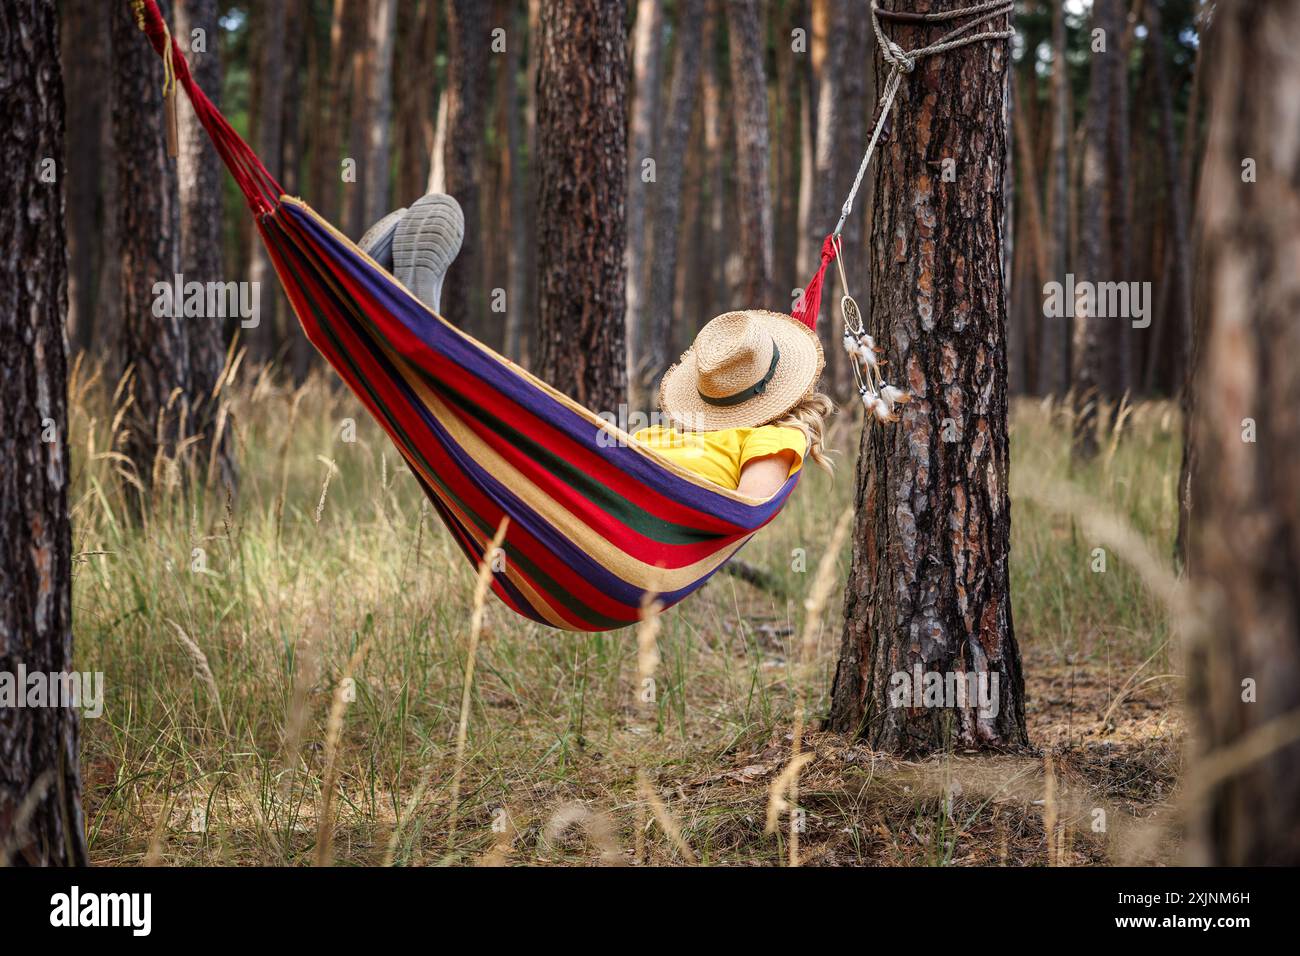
(382, 22)
(155, 347)
(467, 90)
(642, 140)
(415, 97)
(40, 784)
(1119, 189)
(1244, 663)
(325, 178)
(264, 340)
(581, 190)
(670, 152)
(754, 200)
(200, 177)
(929, 587)
(84, 63)
(516, 227)
(1054, 332)
(839, 134)
(1094, 335)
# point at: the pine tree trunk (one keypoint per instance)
(382, 23)
(670, 152)
(1094, 336)
(1119, 190)
(155, 348)
(1245, 544)
(84, 62)
(929, 586)
(581, 190)
(325, 175)
(754, 200)
(200, 175)
(40, 784)
(642, 143)
(264, 339)
(838, 132)
(414, 93)
(1054, 332)
(467, 89)
(517, 305)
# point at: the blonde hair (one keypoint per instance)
(809, 416)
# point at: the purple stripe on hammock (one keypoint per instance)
(473, 357)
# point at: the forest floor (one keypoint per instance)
(225, 629)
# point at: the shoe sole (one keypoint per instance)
(425, 244)
(378, 240)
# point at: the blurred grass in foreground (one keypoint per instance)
(225, 631)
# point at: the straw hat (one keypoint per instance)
(744, 369)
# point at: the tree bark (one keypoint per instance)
(754, 200)
(642, 140)
(379, 89)
(85, 66)
(670, 151)
(581, 190)
(1054, 333)
(929, 584)
(200, 178)
(264, 340)
(1245, 543)
(1094, 336)
(467, 89)
(155, 347)
(40, 784)
(325, 173)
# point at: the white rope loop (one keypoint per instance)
(904, 61)
(879, 397)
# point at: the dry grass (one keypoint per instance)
(227, 630)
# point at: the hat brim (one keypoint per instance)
(796, 376)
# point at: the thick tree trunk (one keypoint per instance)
(1245, 544)
(581, 190)
(642, 144)
(200, 176)
(40, 784)
(155, 347)
(467, 90)
(754, 200)
(670, 152)
(929, 586)
(1054, 332)
(1094, 336)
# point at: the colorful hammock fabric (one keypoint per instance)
(598, 524)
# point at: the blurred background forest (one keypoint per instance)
(361, 106)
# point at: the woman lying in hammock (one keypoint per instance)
(743, 400)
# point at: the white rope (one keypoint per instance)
(880, 398)
(904, 61)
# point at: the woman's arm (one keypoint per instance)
(763, 477)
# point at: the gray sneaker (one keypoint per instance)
(425, 244)
(378, 240)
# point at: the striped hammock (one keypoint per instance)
(597, 523)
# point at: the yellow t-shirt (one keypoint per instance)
(720, 455)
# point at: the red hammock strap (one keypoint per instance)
(259, 187)
(809, 305)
